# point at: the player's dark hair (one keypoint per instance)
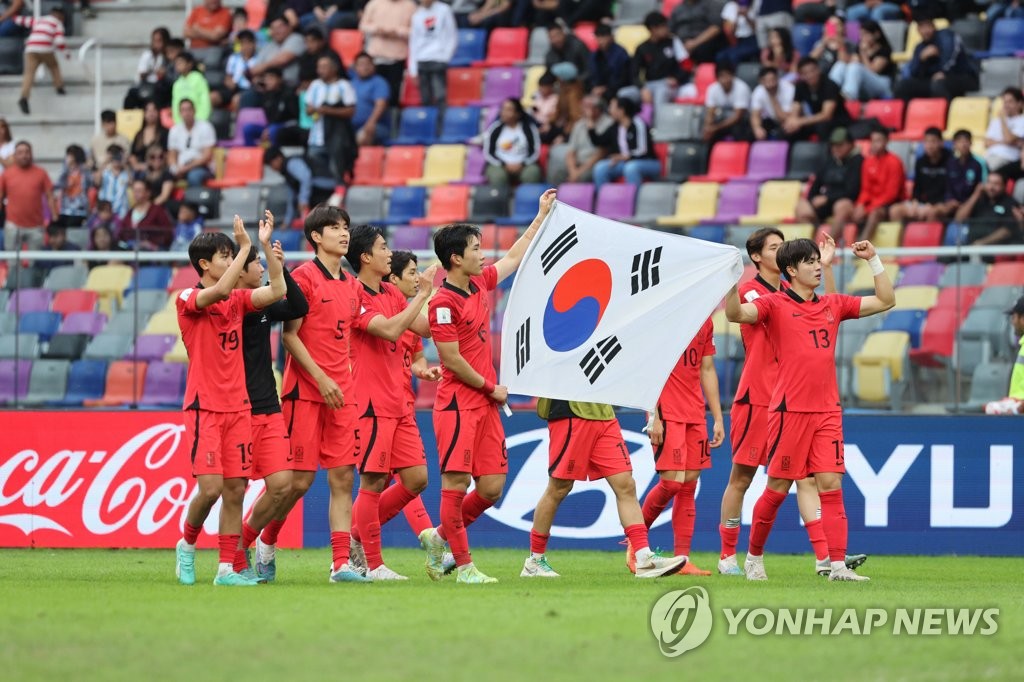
(320, 217)
(208, 244)
(253, 255)
(755, 242)
(794, 252)
(453, 240)
(361, 239)
(400, 261)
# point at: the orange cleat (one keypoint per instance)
(630, 556)
(690, 569)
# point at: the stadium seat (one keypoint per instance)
(539, 45)
(653, 200)
(525, 201)
(916, 297)
(66, 346)
(913, 40)
(405, 204)
(735, 200)
(86, 381)
(895, 31)
(708, 233)
(43, 324)
(184, 277)
(125, 380)
(488, 203)
(964, 275)
(578, 195)
(242, 166)
(402, 164)
(497, 238)
(347, 43)
(410, 238)
(959, 299)
(793, 231)
(206, 199)
(163, 322)
(246, 116)
(125, 321)
(921, 115)
(459, 124)
(728, 160)
(291, 240)
(634, 11)
(696, 201)
(14, 380)
(109, 281)
(677, 122)
(863, 282)
(767, 161)
(531, 81)
(630, 36)
(507, 46)
(703, 77)
(24, 346)
(616, 201)
(998, 73)
(164, 385)
(471, 47)
(805, 36)
(48, 382)
(74, 301)
(108, 346)
(988, 383)
(999, 297)
(151, 347)
(805, 158)
(937, 338)
(887, 236)
(687, 160)
(982, 337)
(921, 274)
(970, 113)
(465, 86)
(499, 84)
(369, 166)
(973, 33)
(410, 95)
(29, 301)
(177, 354)
(417, 125)
(129, 122)
(1006, 274)
(1007, 39)
(448, 204)
(777, 202)
(90, 323)
(881, 367)
(152, 277)
(66, 277)
(889, 112)
(557, 170)
(921, 235)
(443, 163)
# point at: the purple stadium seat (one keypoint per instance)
(922, 274)
(246, 116)
(153, 346)
(502, 83)
(14, 376)
(736, 199)
(616, 201)
(475, 164)
(30, 300)
(84, 323)
(577, 194)
(164, 383)
(767, 161)
(409, 238)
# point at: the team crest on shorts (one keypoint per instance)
(677, 455)
(753, 455)
(572, 465)
(299, 454)
(785, 463)
(211, 459)
(466, 454)
(382, 459)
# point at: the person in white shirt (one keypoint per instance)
(739, 21)
(512, 146)
(770, 105)
(726, 105)
(432, 41)
(1005, 135)
(331, 101)
(150, 71)
(190, 146)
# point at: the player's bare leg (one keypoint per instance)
(536, 565)
(833, 518)
(266, 544)
(740, 479)
(648, 564)
(765, 512)
(208, 490)
(339, 515)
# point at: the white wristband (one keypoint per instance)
(875, 263)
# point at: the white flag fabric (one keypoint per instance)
(600, 311)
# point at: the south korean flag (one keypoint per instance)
(600, 311)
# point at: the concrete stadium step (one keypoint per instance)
(138, 18)
(51, 109)
(50, 139)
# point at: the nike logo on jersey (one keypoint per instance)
(326, 300)
(797, 314)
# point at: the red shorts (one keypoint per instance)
(471, 441)
(321, 435)
(749, 434)
(271, 451)
(585, 449)
(684, 448)
(221, 443)
(389, 444)
(804, 443)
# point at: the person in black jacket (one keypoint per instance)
(280, 103)
(631, 152)
(565, 47)
(657, 62)
(836, 185)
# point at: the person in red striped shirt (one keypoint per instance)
(46, 37)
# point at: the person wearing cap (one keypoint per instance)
(609, 64)
(1014, 402)
(992, 215)
(835, 186)
(565, 47)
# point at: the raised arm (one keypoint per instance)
(885, 296)
(224, 286)
(709, 383)
(828, 254)
(391, 328)
(735, 311)
(511, 261)
(294, 304)
(277, 288)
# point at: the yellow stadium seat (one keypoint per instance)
(129, 122)
(777, 202)
(695, 202)
(630, 36)
(880, 368)
(444, 163)
(887, 236)
(109, 281)
(914, 39)
(916, 298)
(724, 326)
(530, 82)
(970, 113)
(863, 280)
(797, 231)
(177, 353)
(163, 322)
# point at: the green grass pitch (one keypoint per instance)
(120, 615)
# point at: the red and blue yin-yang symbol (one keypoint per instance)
(576, 305)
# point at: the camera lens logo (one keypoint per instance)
(681, 620)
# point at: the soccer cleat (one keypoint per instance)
(185, 563)
(658, 566)
(435, 555)
(346, 574)
(382, 572)
(853, 561)
(753, 567)
(823, 566)
(689, 568)
(233, 579)
(266, 572)
(538, 567)
(728, 566)
(247, 572)
(845, 574)
(471, 575)
(448, 562)
(357, 557)
(630, 555)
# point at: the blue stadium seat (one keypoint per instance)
(405, 204)
(805, 36)
(956, 233)
(471, 47)
(87, 381)
(291, 240)
(418, 125)
(910, 321)
(1007, 39)
(524, 204)
(708, 233)
(152, 277)
(460, 124)
(43, 324)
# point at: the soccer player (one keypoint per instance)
(470, 436)
(585, 443)
(389, 438)
(217, 421)
(805, 428)
(679, 436)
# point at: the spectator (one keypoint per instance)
(102, 140)
(570, 99)
(26, 187)
(6, 151)
(189, 226)
(486, 14)
(239, 23)
(992, 216)
(774, 15)
(151, 134)
(158, 175)
(770, 105)
(147, 226)
(103, 216)
(882, 184)
(873, 10)
(833, 46)
(573, 12)
(1005, 133)
(565, 47)
(372, 95)
(1002, 10)
(583, 154)
(1014, 403)
(102, 239)
(175, 46)
(658, 61)
(726, 105)
(280, 105)
(928, 200)
(738, 21)
(544, 108)
(191, 85)
(331, 101)
(298, 177)
(835, 186)
(74, 184)
(629, 145)
(8, 27)
(114, 181)
(433, 38)
(150, 72)
(818, 106)
(46, 37)
(334, 14)
(696, 24)
(609, 65)
(316, 47)
(207, 29)
(780, 53)
(512, 147)
(940, 67)
(298, 13)
(386, 23)
(281, 52)
(57, 241)
(965, 172)
(190, 146)
(236, 81)
(868, 73)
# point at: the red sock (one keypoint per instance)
(658, 499)
(684, 515)
(228, 548)
(339, 548)
(637, 534)
(366, 517)
(191, 533)
(472, 507)
(833, 521)
(393, 500)
(440, 532)
(765, 511)
(417, 517)
(816, 533)
(454, 528)
(249, 535)
(538, 542)
(240, 563)
(270, 533)
(730, 537)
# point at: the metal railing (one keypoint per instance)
(83, 52)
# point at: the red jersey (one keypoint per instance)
(377, 365)
(457, 315)
(682, 399)
(803, 335)
(326, 330)
(760, 368)
(411, 344)
(213, 340)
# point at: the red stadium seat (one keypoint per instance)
(585, 32)
(668, 5)
(410, 92)
(448, 204)
(507, 47)
(853, 108)
(921, 115)
(728, 160)
(921, 234)
(402, 164)
(702, 79)
(242, 166)
(937, 337)
(347, 42)
(125, 381)
(889, 112)
(166, 118)
(661, 151)
(369, 166)
(74, 301)
(184, 277)
(960, 299)
(493, 237)
(465, 86)
(1006, 274)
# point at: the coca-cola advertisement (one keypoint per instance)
(103, 479)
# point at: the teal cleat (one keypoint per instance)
(247, 572)
(233, 579)
(185, 563)
(346, 574)
(266, 572)
(471, 575)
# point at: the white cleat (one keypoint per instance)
(538, 567)
(356, 556)
(845, 574)
(658, 566)
(382, 572)
(754, 568)
(823, 566)
(728, 566)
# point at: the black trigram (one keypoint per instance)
(562, 245)
(522, 346)
(645, 270)
(599, 357)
